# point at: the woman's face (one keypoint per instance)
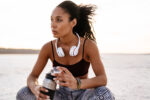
(60, 23)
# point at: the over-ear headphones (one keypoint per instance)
(73, 50)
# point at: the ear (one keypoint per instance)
(73, 22)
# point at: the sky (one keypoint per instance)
(121, 26)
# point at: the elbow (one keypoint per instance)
(103, 81)
(29, 79)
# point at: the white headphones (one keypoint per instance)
(73, 50)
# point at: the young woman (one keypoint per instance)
(73, 51)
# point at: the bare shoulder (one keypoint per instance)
(90, 45)
(46, 46)
(90, 42)
(91, 49)
(47, 49)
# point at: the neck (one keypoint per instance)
(67, 39)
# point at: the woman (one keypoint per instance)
(73, 51)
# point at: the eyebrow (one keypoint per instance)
(57, 16)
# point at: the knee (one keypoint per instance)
(58, 95)
(21, 93)
(24, 93)
(104, 93)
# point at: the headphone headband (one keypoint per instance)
(73, 50)
(78, 41)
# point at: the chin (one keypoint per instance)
(55, 36)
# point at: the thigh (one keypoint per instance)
(99, 93)
(25, 94)
(60, 94)
(103, 93)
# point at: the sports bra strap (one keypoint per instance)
(52, 49)
(83, 49)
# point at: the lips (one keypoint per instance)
(54, 32)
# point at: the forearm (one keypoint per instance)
(32, 82)
(93, 82)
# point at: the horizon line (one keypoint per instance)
(100, 53)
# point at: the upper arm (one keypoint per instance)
(94, 57)
(43, 57)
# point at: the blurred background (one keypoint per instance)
(123, 37)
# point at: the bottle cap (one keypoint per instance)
(55, 70)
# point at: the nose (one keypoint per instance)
(53, 25)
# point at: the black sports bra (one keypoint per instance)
(78, 69)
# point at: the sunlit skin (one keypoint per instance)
(60, 23)
(62, 28)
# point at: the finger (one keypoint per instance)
(42, 99)
(39, 98)
(43, 96)
(43, 89)
(57, 80)
(37, 95)
(61, 71)
(56, 74)
(64, 84)
(64, 70)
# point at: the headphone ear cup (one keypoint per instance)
(76, 51)
(60, 52)
(72, 50)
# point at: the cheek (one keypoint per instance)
(64, 28)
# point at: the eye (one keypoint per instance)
(51, 19)
(59, 20)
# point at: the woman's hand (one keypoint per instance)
(65, 78)
(38, 94)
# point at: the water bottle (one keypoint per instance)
(50, 84)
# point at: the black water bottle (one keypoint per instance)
(50, 85)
